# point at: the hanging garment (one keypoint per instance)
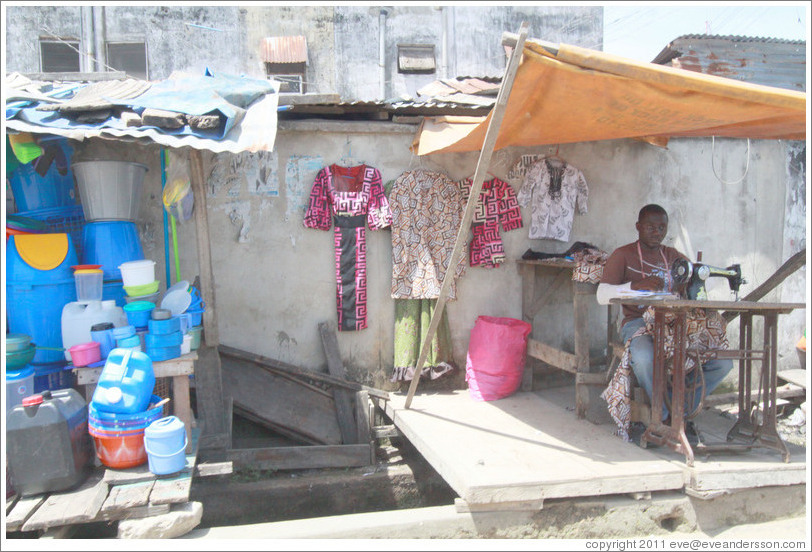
(554, 189)
(412, 319)
(706, 333)
(349, 198)
(518, 171)
(496, 205)
(426, 216)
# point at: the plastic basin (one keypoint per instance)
(146, 289)
(85, 353)
(17, 342)
(18, 359)
(137, 273)
(138, 313)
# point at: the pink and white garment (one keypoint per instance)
(349, 198)
(554, 189)
(496, 205)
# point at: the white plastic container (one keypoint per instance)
(137, 273)
(186, 346)
(110, 190)
(78, 318)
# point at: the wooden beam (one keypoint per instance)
(482, 166)
(341, 397)
(784, 271)
(552, 356)
(298, 458)
(277, 366)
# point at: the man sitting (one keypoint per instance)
(645, 265)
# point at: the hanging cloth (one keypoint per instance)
(412, 319)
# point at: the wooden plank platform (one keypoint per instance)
(524, 449)
(518, 451)
(796, 376)
(107, 495)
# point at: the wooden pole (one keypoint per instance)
(479, 176)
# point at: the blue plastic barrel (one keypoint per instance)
(113, 290)
(35, 298)
(110, 243)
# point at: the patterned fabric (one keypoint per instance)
(519, 170)
(426, 216)
(706, 332)
(496, 205)
(589, 265)
(412, 319)
(555, 189)
(357, 198)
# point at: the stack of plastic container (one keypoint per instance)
(111, 193)
(164, 340)
(122, 408)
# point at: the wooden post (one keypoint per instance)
(208, 371)
(341, 397)
(581, 295)
(479, 176)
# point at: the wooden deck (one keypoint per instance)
(516, 452)
(107, 495)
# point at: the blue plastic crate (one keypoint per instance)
(69, 220)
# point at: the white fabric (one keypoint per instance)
(552, 217)
(606, 292)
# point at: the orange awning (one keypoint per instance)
(579, 95)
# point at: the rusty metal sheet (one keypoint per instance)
(284, 49)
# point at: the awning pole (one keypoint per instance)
(479, 176)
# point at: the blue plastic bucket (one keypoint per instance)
(117, 421)
(109, 244)
(126, 382)
(35, 298)
(163, 353)
(32, 191)
(53, 376)
(165, 443)
(138, 313)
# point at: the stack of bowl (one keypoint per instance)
(139, 281)
(19, 350)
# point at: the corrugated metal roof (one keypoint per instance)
(97, 96)
(284, 49)
(769, 61)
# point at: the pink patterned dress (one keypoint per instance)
(496, 205)
(349, 199)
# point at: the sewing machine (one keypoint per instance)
(695, 274)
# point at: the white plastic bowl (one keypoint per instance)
(177, 301)
(137, 273)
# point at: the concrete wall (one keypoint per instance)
(275, 279)
(343, 41)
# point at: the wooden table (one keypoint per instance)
(179, 369)
(541, 281)
(750, 429)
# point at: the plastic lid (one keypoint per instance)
(113, 395)
(139, 306)
(137, 264)
(87, 271)
(161, 314)
(43, 251)
(32, 400)
(177, 301)
(168, 425)
(85, 267)
(101, 326)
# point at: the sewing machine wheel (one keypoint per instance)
(681, 271)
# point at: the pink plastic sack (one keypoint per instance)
(496, 356)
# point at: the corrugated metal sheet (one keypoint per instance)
(768, 61)
(284, 49)
(97, 96)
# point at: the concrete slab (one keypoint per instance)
(525, 448)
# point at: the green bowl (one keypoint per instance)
(17, 342)
(144, 289)
(18, 359)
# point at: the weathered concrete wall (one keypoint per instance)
(343, 41)
(275, 279)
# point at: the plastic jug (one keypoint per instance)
(125, 384)
(78, 318)
(48, 446)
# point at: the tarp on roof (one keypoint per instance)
(248, 107)
(571, 94)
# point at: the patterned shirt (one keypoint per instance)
(555, 189)
(426, 216)
(496, 205)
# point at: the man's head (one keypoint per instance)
(652, 225)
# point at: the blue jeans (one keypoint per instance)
(642, 361)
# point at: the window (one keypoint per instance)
(416, 58)
(59, 56)
(130, 57)
(292, 84)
